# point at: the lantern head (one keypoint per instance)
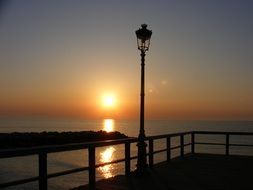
(143, 38)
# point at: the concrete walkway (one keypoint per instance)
(194, 172)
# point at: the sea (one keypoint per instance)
(27, 166)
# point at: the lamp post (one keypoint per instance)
(143, 42)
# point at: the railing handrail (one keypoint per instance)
(61, 148)
(76, 146)
(222, 133)
(168, 135)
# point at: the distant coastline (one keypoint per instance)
(31, 139)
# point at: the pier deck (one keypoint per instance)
(193, 172)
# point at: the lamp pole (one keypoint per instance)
(143, 41)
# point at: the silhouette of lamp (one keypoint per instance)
(143, 42)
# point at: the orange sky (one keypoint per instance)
(61, 60)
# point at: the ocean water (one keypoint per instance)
(23, 167)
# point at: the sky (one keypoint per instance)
(62, 58)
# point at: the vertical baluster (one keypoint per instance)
(43, 171)
(151, 153)
(227, 144)
(127, 158)
(193, 142)
(182, 146)
(92, 169)
(168, 143)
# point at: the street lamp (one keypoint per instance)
(143, 42)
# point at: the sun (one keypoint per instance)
(109, 100)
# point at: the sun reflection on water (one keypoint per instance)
(108, 125)
(107, 156)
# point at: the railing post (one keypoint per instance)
(151, 153)
(92, 169)
(43, 171)
(168, 143)
(193, 142)
(182, 146)
(127, 158)
(227, 144)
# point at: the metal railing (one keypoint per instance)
(43, 151)
(227, 136)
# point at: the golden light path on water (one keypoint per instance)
(107, 156)
(108, 125)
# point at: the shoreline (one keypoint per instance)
(33, 139)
